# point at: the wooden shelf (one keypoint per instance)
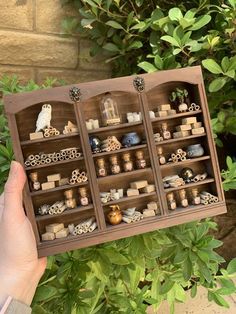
(180, 210)
(190, 185)
(48, 139)
(124, 174)
(54, 163)
(120, 150)
(65, 213)
(128, 198)
(174, 140)
(184, 162)
(177, 115)
(114, 127)
(59, 188)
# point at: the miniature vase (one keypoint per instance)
(114, 216)
(95, 144)
(195, 150)
(131, 139)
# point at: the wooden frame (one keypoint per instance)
(22, 109)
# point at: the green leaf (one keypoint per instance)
(193, 292)
(147, 66)
(219, 300)
(212, 66)
(175, 14)
(230, 73)
(200, 22)
(111, 47)
(115, 257)
(45, 293)
(225, 64)
(114, 24)
(170, 40)
(231, 268)
(166, 286)
(139, 25)
(135, 45)
(158, 62)
(217, 84)
(187, 269)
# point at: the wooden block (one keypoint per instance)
(198, 131)
(196, 125)
(62, 181)
(47, 185)
(138, 184)
(48, 236)
(36, 135)
(189, 120)
(148, 213)
(148, 189)
(162, 113)
(181, 134)
(63, 233)
(152, 205)
(183, 127)
(132, 192)
(171, 112)
(164, 107)
(54, 228)
(54, 177)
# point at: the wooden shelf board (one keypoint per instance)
(129, 198)
(65, 213)
(114, 127)
(177, 115)
(124, 174)
(124, 149)
(124, 225)
(59, 188)
(173, 140)
(182, 210)
(48, 139)
(184, 162)
(54, 163)
(190, 185)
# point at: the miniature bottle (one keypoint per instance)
(161, 157)
(165, 132)
(34, 182)
(115, 167)
(70, 202)
(183, 198)
(171, 201)
(109, 110)
(83, 196)
(127, 162)
(140, 161)
(196, 200)
(101, 170)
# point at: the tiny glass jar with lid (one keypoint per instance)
(83, 196)
(196, 200)
(115, 167)
(171, 201)
(109, 110)
(161, 157)
(127, 162)
(34, 182)
(140, 161)
(165, 132)
(101, 168)
(70, 201)
(183, 198)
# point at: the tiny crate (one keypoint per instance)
(22, 111)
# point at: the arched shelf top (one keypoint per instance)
(180, 81)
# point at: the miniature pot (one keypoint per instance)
(95, 144)
(114, 216)
(131, 139)
(195, 150)
(187, 174)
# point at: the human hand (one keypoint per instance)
(20, 268)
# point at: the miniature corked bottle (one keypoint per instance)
(196, 200)
(101, 168)
(127, 162)
(165, 132)
(140, 161)
(161, 157)
(83, 196)
(171, 201)
(115, 167)
(183, 198)
(34, 182)
(70, 201)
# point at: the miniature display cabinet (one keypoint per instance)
(115, 158)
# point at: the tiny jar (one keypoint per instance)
(115, 167)
(70, 201)
(34, 182)
(183, 198)
(171, 201)
(101, 168)
(140, 161)
(83, 196)
(161, 157)
(109, 110)
(165, 132)
(196, 200)
(127, 162)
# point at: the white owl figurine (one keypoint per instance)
(44, 118)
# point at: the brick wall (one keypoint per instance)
(33, 46)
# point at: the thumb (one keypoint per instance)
(13, 208)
